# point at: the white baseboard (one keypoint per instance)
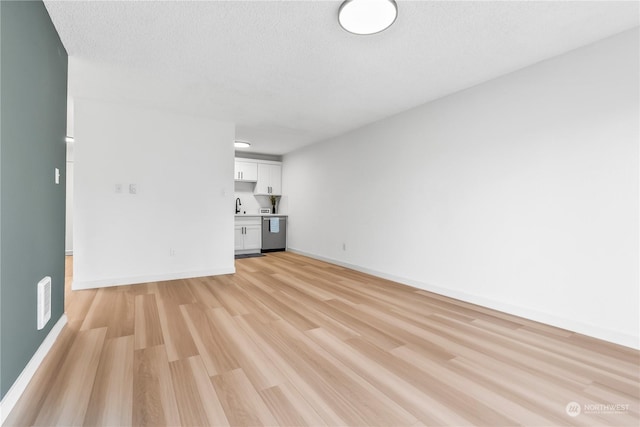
(11, 398)
(67, 253)
(118, 281)
(616, 337)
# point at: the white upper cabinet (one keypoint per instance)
(269, 179)
(245, 171)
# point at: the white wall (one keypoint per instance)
(183, 169)
(68, 230)
(520, 194)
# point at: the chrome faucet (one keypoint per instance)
(238, 204)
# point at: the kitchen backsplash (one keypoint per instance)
(251, 203)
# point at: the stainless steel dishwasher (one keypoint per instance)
(274, 233)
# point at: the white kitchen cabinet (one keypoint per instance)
(238, 235)
(269, 179)
(248, 234)
(253, 237)
(245, 171)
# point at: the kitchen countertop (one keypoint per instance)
(258, 215)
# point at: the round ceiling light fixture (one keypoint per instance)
(238, 143)
(364, 17)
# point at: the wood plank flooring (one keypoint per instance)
(293, 341)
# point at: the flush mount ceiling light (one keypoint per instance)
(367, 16)
(238, 143)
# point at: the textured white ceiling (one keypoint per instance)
(286, 72)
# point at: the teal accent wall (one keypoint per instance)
(33, 110)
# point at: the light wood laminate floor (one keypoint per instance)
(292, 341)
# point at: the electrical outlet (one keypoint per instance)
(172, 252)
(118, 188)
(133, 189)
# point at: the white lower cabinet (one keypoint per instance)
(248, 235)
